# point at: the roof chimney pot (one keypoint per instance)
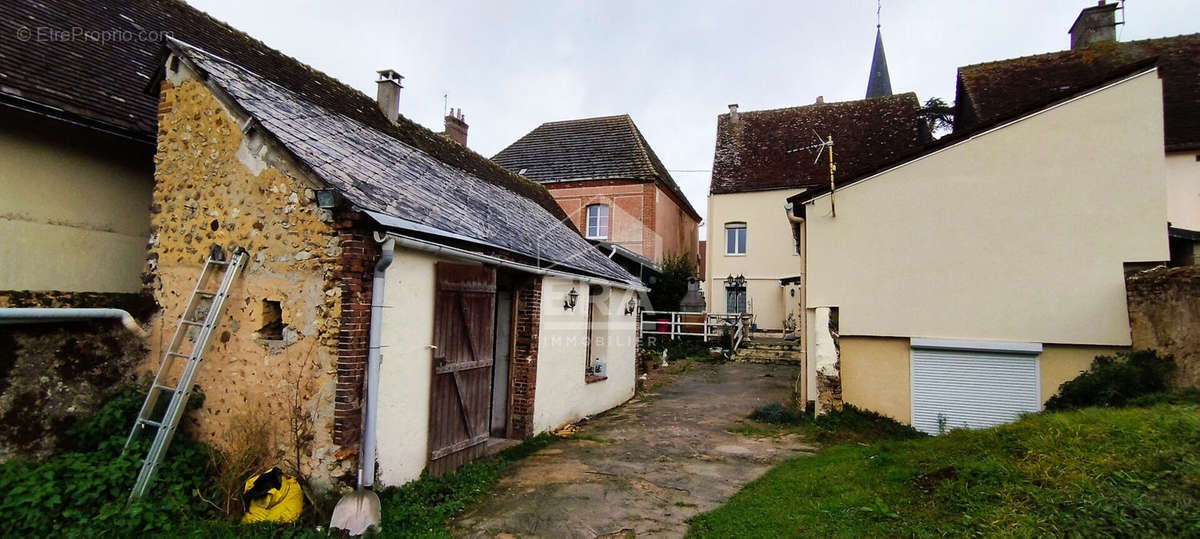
(387, 93)
(456, 126)
(733, 113)
(820, 100)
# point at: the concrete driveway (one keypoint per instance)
(646, 467)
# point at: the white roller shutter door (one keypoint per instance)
(973, 384)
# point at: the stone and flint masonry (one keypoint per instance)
(497, 320)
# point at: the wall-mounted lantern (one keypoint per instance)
(327, 199)
(572, 298)
(630, 307)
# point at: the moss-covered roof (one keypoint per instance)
(758, 151)
(996, 89)
(105, 82)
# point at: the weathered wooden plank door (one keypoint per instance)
(463, 326)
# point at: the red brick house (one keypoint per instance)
(608, 180)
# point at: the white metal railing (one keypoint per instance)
(677, 324)
(738, 335)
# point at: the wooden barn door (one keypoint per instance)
(463, 324)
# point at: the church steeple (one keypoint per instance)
(880, 84)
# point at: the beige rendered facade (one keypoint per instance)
(1183, 190)
(75, 211)
(770, 255)
(876, 372)
(1018, 234)
(562, 394)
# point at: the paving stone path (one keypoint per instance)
(646, 467)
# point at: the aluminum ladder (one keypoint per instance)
(197, 324)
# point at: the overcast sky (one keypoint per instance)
(672, 66)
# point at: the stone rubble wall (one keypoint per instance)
(1164, 314)
(52, 375)
(218, 186)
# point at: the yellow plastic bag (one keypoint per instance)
(281, 504)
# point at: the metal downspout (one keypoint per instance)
(373, 360)
(33, 315)
(804, 389)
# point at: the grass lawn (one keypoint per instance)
(1092, 472)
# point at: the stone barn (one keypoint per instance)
(495, 319)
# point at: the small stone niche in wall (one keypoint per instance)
(275, 334)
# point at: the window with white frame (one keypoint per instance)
(735, 238)
(597, 222)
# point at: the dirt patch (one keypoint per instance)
(541, 470)
(929, 481)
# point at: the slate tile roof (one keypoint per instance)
(754, 153)
(990, 90)
(604, 148)
(380, 173)
(104, 82)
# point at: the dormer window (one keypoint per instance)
(597, 222)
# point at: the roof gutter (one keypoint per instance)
(60, 115)
(35, 315)
(438, 249)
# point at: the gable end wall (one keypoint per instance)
(215, 186)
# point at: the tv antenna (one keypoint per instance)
(820, 146)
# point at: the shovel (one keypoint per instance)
(357, 511)
(360, 510)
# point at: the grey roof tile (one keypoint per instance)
(608, 147)
(395, 179)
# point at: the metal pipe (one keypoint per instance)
(430, 247)
(803, 323)
(34, 315)
(373, 361)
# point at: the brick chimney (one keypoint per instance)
(387, 93)
(1096, 24)
(456, 127)
(733, 113)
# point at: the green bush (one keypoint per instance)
(670, 288)
(853, 419)
(1115, 380)
(1189, 395)
(776, 414)
(84, 491)
(676, 349)
(849, 424)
